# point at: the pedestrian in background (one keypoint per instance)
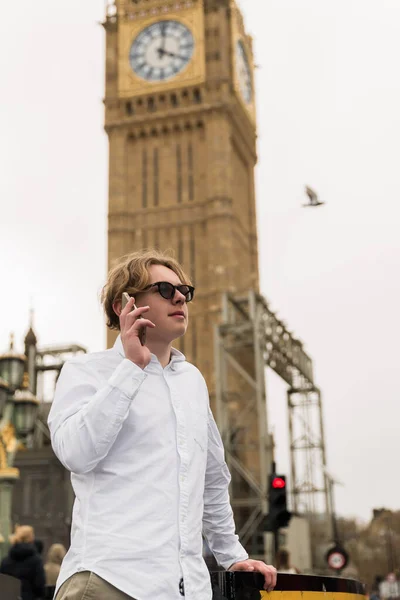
(24, 563)
(39, 546)
(374, 594)
(52, 565)
(283, 562)
(389, 588)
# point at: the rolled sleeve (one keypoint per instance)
(87, 414)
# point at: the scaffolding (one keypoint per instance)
(250, 338)
(44, 366)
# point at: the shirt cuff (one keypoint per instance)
(227, 564)
(127, 377)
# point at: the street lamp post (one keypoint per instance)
(335, 531)
(18, 411)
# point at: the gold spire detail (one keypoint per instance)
(25, 382)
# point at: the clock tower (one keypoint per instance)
(180, 117)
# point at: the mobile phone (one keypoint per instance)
(142, 332)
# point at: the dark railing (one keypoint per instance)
(249, 586)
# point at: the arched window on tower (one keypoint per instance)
(190, 172)
(197, 96)
(155, 177)
(144, 178)
(179, 172)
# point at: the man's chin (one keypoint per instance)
(168, 335)
(178, 333)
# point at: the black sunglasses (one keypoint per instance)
(167, 290)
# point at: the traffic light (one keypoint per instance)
(278, 515)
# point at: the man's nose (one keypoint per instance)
(178, 298)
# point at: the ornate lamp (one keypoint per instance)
(4, 393)
(12, 366)
(26, 406)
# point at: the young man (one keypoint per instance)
(134, 427)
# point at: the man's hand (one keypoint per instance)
(268, 571)
(131, 323)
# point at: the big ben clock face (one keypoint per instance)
(243, 73)
(161, 51)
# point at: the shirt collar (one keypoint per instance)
(176, 356)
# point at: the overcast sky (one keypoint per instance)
(328, 97)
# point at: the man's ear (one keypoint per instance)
(117, 307)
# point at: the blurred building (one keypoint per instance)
(41, 491)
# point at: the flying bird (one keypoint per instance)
(314, 200)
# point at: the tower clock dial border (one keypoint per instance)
(243, 72)
(161, 50)
(242, 62)
(148, 63)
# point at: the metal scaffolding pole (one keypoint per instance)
(307, 449)
(249, 339)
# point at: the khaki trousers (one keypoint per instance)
(89, 586)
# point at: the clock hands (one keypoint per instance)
(162, 52)
(163, 30)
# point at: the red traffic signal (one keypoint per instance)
(278, 514)
(278, 483)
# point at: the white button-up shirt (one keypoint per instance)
(148, 472)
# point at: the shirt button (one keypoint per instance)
(181, 587)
